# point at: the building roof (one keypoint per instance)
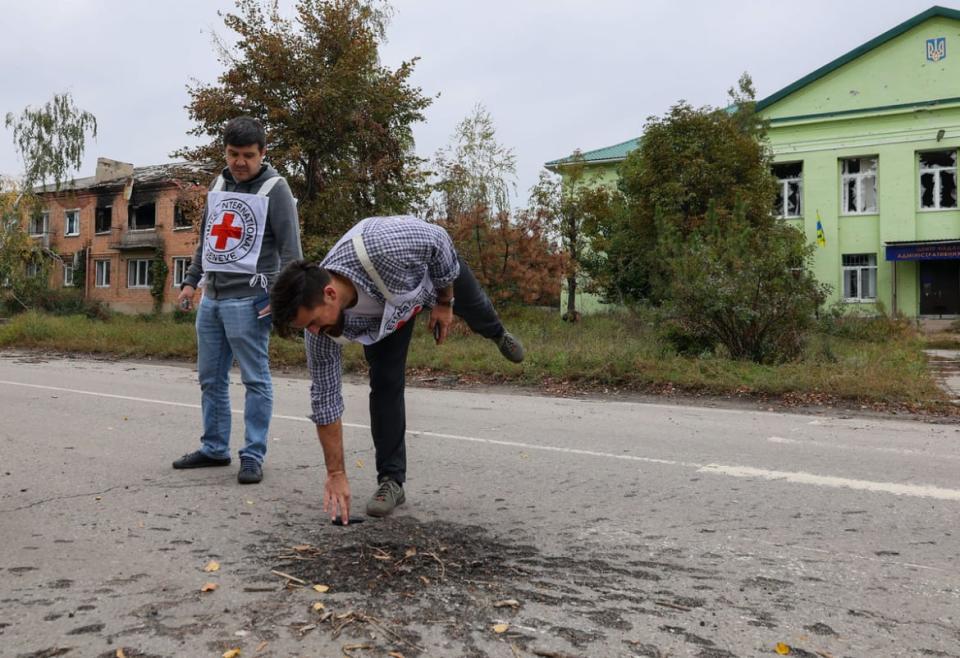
(614, 153)
(618, 152)
(181, 171)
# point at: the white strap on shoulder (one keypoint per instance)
(364, 257)
(268, 185)
(218, 184)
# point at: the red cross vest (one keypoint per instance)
(235, 222)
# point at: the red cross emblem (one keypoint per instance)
(225, 229)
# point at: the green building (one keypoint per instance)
(866, 146)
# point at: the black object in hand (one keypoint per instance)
(436, 331)
(353, 520)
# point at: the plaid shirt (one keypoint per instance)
(403, 249)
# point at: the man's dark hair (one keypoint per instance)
(301, 283)
(243, 131)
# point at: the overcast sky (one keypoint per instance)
(555, 74)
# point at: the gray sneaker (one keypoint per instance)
(388, 495)
(510, 346)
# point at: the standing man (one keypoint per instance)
(249, 232)
(369, 289)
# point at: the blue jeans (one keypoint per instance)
(228, 328)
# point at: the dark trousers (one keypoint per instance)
(388, 361)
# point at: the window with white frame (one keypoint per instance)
(139, 273)
(71, 222)
(33, 268)
(103, 273)
(858, 180)
(68, 271)
(859, 277)
(39, 223)
(789, 189)
(938, 179)
(180, 267)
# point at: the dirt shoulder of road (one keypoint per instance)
(815, 404)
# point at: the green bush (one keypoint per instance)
(838, 320)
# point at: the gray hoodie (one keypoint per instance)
(281, 240)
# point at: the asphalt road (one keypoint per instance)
(573, 527)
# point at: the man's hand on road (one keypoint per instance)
(336, 496)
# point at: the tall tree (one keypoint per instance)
(339, 123)
(51, 140)
(690, 162)
(475, 171)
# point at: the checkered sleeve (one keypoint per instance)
(325, 363)
(444, 267)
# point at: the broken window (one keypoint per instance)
(71, 222)
(179, 219)
(859, 277)
(39, 223)
(103, 219)
(142, 216)
(789, 189)
(938, 179)
(858, 180)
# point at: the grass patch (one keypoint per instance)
(615, 350)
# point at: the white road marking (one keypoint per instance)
(837, 446)
(919, 490)
(922, 491)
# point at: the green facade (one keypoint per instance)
(895, 103)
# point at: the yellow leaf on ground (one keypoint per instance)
(783, 649)
(233, 653)
(299, 548)
(212, 566)
(262, 646)
(359, 463)
(322, 588)
(500, 628)
(317, 607)
(410, 552)
(395, 654)
(121, 654)
(507, 603)
(209, 587)
(249, 502)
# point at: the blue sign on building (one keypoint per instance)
(924, 251)
(936, 49)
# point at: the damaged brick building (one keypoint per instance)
(108, 229)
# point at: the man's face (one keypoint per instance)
(244, 161)
(323, 319)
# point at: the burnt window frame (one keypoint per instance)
(132, 212)
(936, 170)
(96, 219)
(858, 177)
(783, 194)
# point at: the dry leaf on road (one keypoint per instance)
(233, 653)
(500, 628)
(212, 566)
(321, 588)
(209, 587)
(783, 649)
(317, 607)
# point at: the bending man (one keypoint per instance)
(369, 289)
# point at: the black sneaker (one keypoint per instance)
(199, 460)
(250, 471)
(388, 496)
(510, 346)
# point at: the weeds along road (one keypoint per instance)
(533, 526)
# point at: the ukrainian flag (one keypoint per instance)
(821, 238)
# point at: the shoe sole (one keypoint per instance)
(209, 465)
